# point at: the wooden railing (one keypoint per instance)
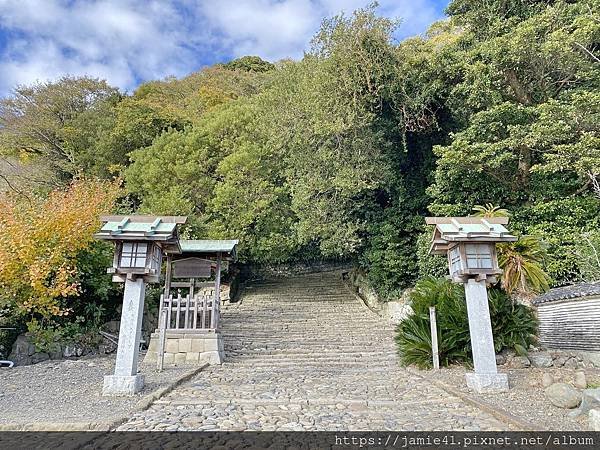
(200, 312)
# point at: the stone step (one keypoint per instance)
(357, 317)
(355, 321)
(306, 327)
(310, 353)
(254, 353)
(277, 347)
(294, 335)
(313, 369)
(293, 289)
(296, 309)
(326, 341)
(347, 346)
(303, 314)
(319, 360)
(358, 403)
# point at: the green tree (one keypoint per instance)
(525, 102)
(55, 122)
(249, 64)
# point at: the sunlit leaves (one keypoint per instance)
(39, 243)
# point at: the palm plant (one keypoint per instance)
(489, 210)
(413, 336)
(522, 262)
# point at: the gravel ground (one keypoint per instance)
(526, 398)
(69, 391)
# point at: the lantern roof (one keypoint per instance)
(450, 230)
(160, 229)
(210, 248)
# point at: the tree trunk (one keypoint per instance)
(519, 90)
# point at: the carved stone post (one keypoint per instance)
(126, 380)
(486, 377)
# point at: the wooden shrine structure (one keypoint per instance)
(189, 321)
(198, 309)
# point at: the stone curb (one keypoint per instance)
(499, 414)
(141, 405)
(356, 295)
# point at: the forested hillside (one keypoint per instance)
(341, 154)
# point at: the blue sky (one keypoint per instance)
(130, 41)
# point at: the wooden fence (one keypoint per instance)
(191, 313)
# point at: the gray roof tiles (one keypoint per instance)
(571, 292)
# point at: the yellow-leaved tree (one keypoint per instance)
(40, 239)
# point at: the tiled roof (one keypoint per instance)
(573, 291)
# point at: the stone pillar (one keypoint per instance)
(126, 380)
(486, 377)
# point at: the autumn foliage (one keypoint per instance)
(40, 239)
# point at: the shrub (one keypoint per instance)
(514, 325)
(413, 334)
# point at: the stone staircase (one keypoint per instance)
(303, 353)
(306, 319)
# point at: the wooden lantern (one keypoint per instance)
(476, 259)
(470, 245)
(140, 258)
(140, 242)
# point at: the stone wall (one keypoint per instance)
(393, 311)
(192, 348)
(541, 358)
(254, 271)
(25, 353)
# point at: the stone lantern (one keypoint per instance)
(140, 242)
(470, 245)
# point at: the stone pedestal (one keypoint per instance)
(486, 377)
(125, 380)
(204, 346)
(122, 385)
(487, 382)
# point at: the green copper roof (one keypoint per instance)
(140, 228)
(133, 227)
(208, 246)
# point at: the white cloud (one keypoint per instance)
(273, 30)
(126, 41)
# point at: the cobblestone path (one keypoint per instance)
(304, 354)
